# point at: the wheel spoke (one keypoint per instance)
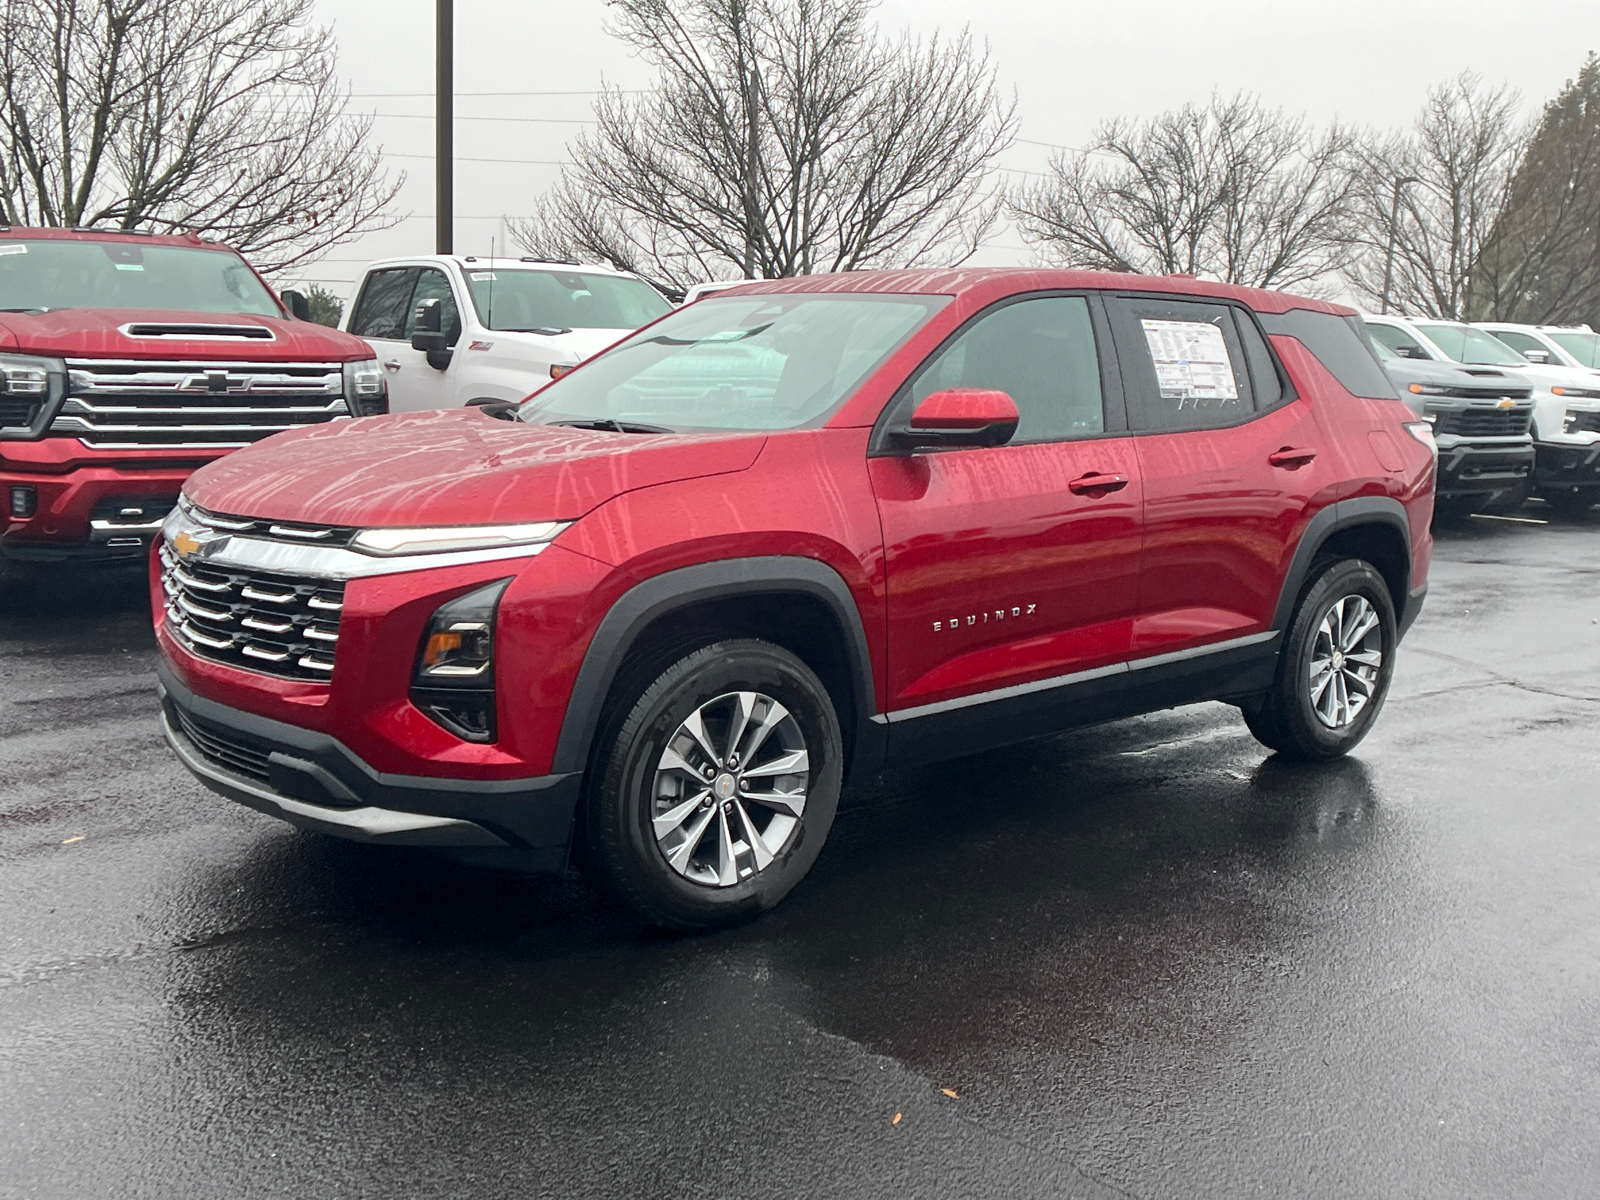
(758, 845)
(694, 725)
(674, 817)
(743, 704)
(1366, 658)
(679, 858)
(1366, 622)
(727, 865)
(776, 716)
(1355, 678)
(1321, 676)
(671, 760)
(792, 803)
(790, 763)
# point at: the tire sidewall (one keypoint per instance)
(1351, 577)
(624, 795)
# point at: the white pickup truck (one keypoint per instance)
(505, 326)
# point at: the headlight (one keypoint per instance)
(454, 678)
(1576, 393)
(364, 390)
(30, 390)
(386, 542)
(1428, 389)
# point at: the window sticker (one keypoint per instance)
(481, 276)
(1192, 364)
(130, 266)
(13, 247)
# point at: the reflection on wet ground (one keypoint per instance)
(1147, 959)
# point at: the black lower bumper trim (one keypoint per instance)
(1489, 471)
(314, 781)
(1567, 468)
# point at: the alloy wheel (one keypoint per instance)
(730, 789)
(1346, 658)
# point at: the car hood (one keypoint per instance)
(97, 333)
(452, 467)
(1442, 374)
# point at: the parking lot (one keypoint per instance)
(1137, 960)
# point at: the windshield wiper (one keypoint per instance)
(548, 331)
(610, 426)
(32, 312)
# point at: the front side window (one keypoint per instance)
(1398, 340)
(1184, 364)
(1473, 346)
(521, 299)
(384, 307)
(46, 275)
(1585, 347)
(432, 285)
(749, 362)
(1041, 353)
(1522, 343)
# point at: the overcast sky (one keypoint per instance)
(1072, 65)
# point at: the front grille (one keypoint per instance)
(262, 621)
(145, 404)
(1482, 422)
(1586, 422)
(224, 747)
(17, 412)
(294, 533)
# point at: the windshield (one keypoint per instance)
(515, 299)
(1585, 347)
(745, 362)
(52, 274)
(1468, 345)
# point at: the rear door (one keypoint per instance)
(385, 315)
(999, 572)
(1233, 466)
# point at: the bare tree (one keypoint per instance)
(1427, 201)
(224, 117)
(1232, 191)
(783, 137)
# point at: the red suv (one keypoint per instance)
(662, 610)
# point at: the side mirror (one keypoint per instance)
(961, 417)
(428, 334)
(1536, 356)
(1409, 351)
(298, 304)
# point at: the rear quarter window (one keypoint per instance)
(1342, 344)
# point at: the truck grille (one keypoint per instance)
(188, 404)
(1483, 422)
(262, 621)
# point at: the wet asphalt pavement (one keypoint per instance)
(1147, 959)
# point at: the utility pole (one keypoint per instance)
(444, 96)
(1394, 234)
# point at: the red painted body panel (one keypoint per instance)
(1194, 548)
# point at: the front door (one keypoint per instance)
(1003, 568)
(386, 315)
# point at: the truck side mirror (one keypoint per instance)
(428, 334)
(1536, 356)
(299, 306)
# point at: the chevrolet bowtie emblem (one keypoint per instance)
(185, 544)
(1506, 403)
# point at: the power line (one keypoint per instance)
(519, 120)
(429, 95)
(532, 162)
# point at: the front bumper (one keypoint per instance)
(1483, 469)
(316, 782)
(91, 513)
(1567, 466)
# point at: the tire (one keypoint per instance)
(1294, 719)
(649, 793)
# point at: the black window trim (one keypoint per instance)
(1286, 391)
(1112, 405)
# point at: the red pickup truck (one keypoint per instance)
(126, 361)
(794, 532)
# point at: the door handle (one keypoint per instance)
(392, 364)
(1290, 458)
(1097, 485)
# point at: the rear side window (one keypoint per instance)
(1041, 353)
(1341, 344)
(1184, 364)
(1521, 342)
(384, 304)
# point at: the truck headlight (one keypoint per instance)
(30, 390)
(444, 538)
(365, 392)
(453, 682)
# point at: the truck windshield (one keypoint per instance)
(50, 274)
(1585, 347)
(1468, 345)
(516, 298)
(746, 362)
